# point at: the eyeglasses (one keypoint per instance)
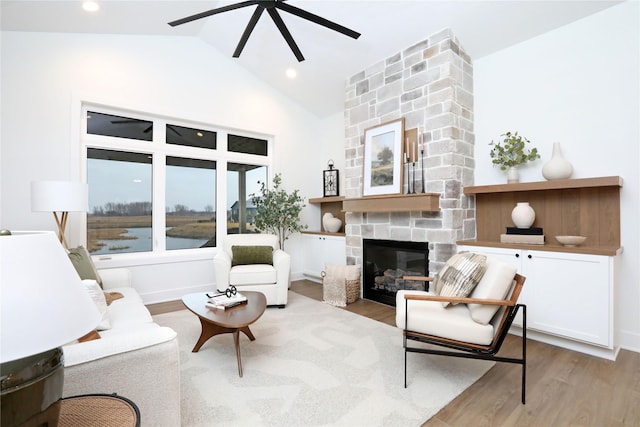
(229, 292)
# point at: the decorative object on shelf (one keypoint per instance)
(511, 153)
(330, 223)
(523, 215)
(411, 157)
(558, 167)
(383, 158)
(331, 179)
(59, 196)
(421, 143)
(277, 211)
(571, 241)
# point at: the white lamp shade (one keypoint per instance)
(44, 303)
(59, 196)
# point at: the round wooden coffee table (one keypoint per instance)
(232, 320)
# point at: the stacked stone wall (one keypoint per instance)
(430, 84)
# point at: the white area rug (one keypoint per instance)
(313, 365)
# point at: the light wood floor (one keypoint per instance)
(564, 388)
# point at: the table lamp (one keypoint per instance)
(44, 305)
(59, 196)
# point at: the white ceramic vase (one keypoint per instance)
(513, 175)
(558, 167)
(523, 215)
(330, 223)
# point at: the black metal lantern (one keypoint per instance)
(331, 181)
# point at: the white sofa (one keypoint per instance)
(271, 280)
(136, 358)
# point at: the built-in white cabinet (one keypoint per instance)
(568, 295)
(320, 249)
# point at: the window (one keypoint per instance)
(242, 183)
(191, 200)
(120, 203)
(154, 184)
(118, 126)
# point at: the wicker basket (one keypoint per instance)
(341, 284)
(353, 290)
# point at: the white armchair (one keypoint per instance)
(270, 279)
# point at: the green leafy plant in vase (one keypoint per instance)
(277, 211)
(512, 152)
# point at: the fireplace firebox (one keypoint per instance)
(386, 262)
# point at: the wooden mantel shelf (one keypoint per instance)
(393, 203)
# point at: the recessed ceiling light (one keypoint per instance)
(90, 6)
(291, 73)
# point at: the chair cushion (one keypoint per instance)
(243, 255)
(430, 317)
(495, 284)
(460, 274)
(254, 274)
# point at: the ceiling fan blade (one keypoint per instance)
(316, 19)
(275, 16)
(213, 12)
(247, 31)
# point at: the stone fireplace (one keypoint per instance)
(430, 84)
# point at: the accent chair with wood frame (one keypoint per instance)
(475, 327)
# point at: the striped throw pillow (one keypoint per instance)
(461, 273)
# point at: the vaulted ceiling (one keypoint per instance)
(387, 27)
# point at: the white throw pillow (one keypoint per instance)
(97, 295)
(495, 284)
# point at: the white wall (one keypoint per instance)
(45, 76)
(578, 85)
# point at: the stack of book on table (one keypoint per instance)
(528, 236)
(223, 302)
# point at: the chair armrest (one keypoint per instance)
(419, 278)
(115, 278)
(459, 300)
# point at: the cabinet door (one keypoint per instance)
(321, 249)
(570, 295)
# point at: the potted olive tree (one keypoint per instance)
(277, 211)
(512, 152)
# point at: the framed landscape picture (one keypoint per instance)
(383, 158)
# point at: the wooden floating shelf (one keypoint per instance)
(394, 203)
(319, 200)
(562, 184)
(593, 250)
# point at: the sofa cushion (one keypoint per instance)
(128, 311)
(495, 284)
(430, 317)
(256, 274)
(460, 275)
(97, 296)
(84, 265)
(245, 255)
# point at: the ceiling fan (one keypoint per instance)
(271, 6)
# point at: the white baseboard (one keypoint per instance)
(630, 341)
(581, 347)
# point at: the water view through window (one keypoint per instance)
(136, 163)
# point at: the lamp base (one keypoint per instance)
(31, 389)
